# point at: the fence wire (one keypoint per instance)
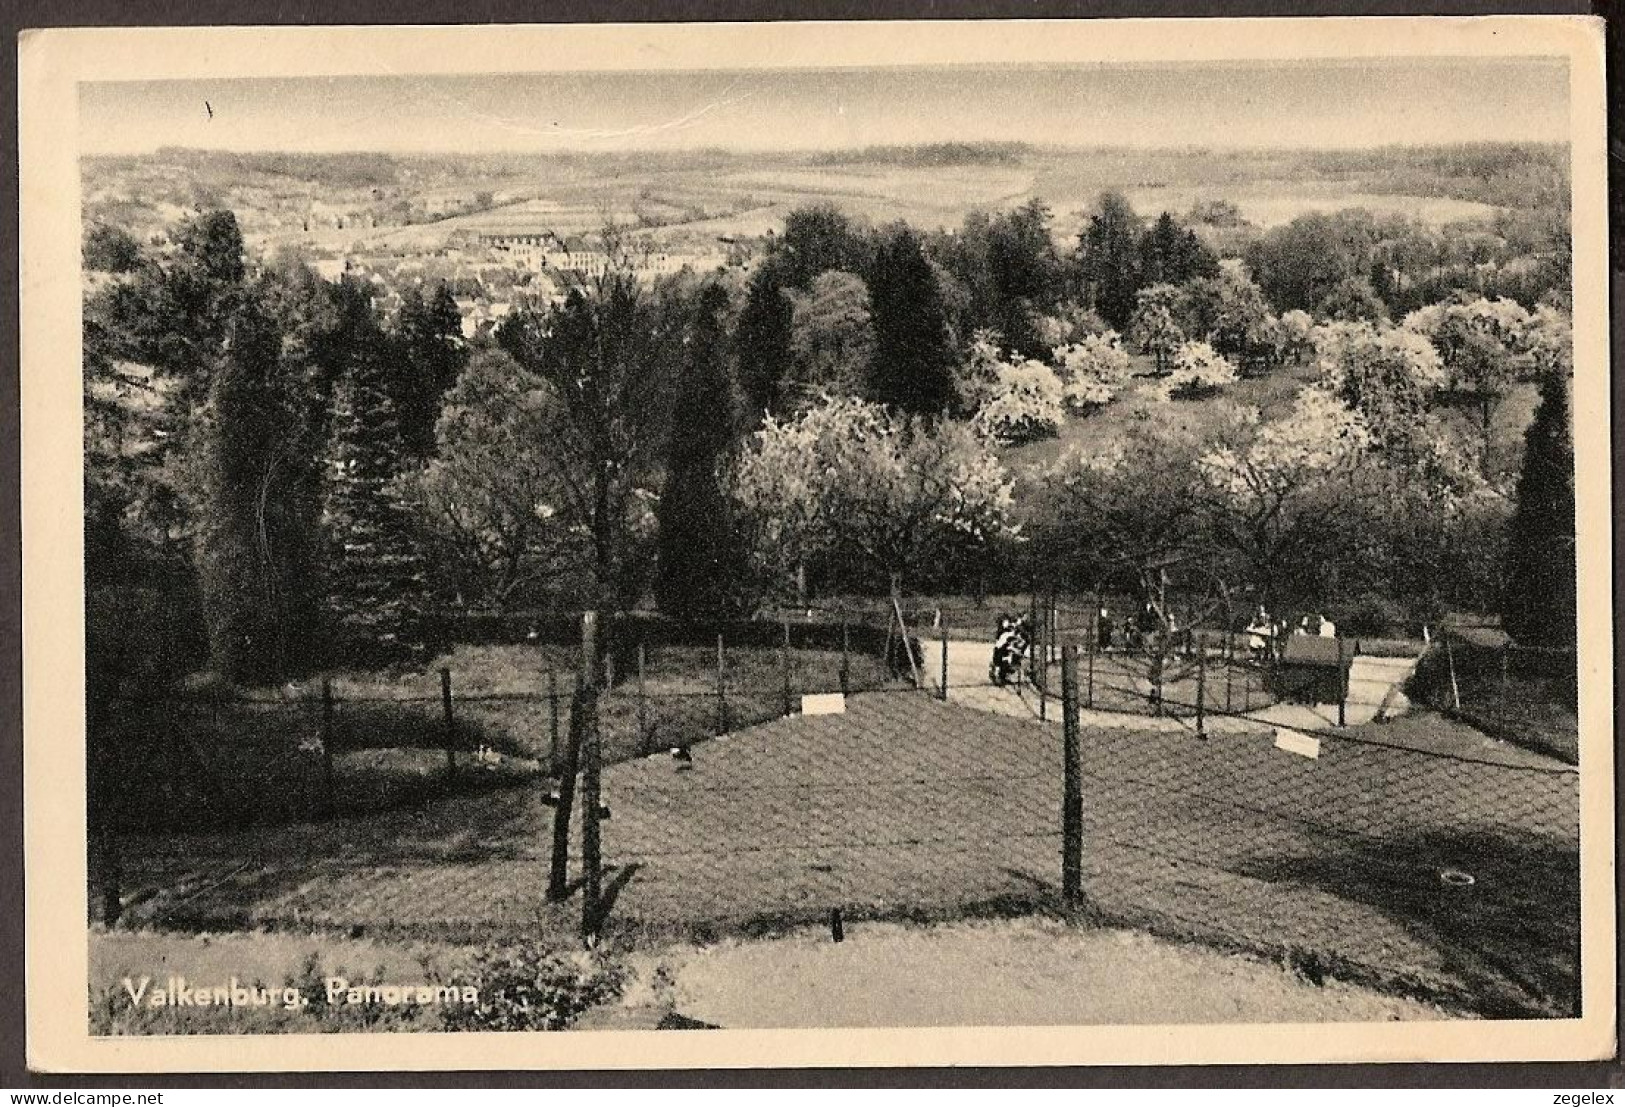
(728, 802)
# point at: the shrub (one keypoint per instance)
(1028, 404)
(1088, 394)
(1093, 369)
(979, 375)
(1070, 323)
(1369, 614)
(1353, 300)
(1199, 370)
(526, 987)
(1296, 332)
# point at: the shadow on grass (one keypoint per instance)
(1509, 941)
(620, 877)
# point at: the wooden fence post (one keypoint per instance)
(1455, 689)
(329, 792)
(1071, 780)
(552, 723)
(942, 640)
(1342, 685)
(643, 706)
(1201, 688)
(558, 884)
(1041, 674)
(846, 656)
(722, 689)
(1034, 648)
(1092, 644)
(450, 724)
(902, 632)
(592, 862)
(784, 666)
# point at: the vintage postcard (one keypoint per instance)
(876, 544)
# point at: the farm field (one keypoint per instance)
(1274, 202)
(710, 194)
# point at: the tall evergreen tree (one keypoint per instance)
(1170, 254)
(176, 314)
(817, 238)
(1009, 274)
(699, 562)
(1538, 602)
(428, 337)
(1109, 260)
(762, 340)
(253, 508)
(913, 366)
(1026, 276)
(376, 572)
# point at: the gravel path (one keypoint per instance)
(1375, 685)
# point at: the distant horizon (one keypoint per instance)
(812, 151)
(1323, 105)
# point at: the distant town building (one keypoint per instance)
(544, 251)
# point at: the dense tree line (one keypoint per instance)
(238, 415)
(312, 469)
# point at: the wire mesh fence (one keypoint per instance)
(199, 799)
(1526, 695)
(1435, 874)
(1158, 785)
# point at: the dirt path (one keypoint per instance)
(1026, 972)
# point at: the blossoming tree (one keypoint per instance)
(848, 481)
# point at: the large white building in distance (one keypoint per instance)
(544, 251)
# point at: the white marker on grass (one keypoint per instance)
(1293, 742)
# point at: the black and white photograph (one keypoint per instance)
(1002, 538)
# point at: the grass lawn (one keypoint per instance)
(1053, 971)
(1526, 711)
(1519, 705)
(235, 760)
(909, 807)
(1433, 732)
(1272, 393)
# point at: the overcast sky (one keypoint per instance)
(1313, 104)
